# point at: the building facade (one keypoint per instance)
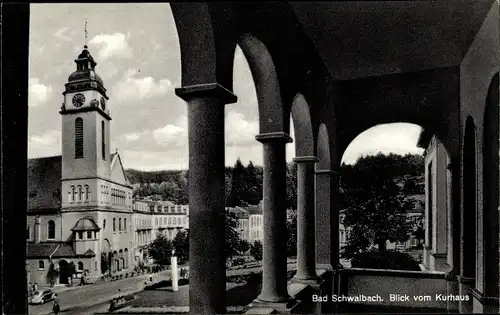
(438, 202)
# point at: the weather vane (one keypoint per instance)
(85, 32)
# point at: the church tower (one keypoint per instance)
(85, 123)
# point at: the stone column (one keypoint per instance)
(327, 219)
(207, 287)
(306, 238)
(274, 260)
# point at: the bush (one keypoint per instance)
(388, 259)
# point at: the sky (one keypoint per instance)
(137, 52)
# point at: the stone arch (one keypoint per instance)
(469, 210)
(206, 54)
(303, 128)
(271, 108)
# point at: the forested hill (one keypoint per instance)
(244, 183)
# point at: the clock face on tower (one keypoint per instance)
(103, 103)
(78, 99)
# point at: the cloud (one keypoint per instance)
(239, 131)
(112, 45)
(60, 34)
(173, 135)
(399, 138)
(134, 136)
(131, 87)
(38, 92)
(47, 144)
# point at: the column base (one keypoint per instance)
(464, 288)
(309, 281)
(484, 304)
(280, 307)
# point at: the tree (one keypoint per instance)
(256, 250)
(238, 185)
(52, 274)
(419, 232)
(181, 245)
(291, 227)
(232, 237)
(253, 181)
(160, 250)
(243, 246)
(291, 186)
(376, 205)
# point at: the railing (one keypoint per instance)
(395, 288)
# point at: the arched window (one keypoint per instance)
(95, 264)
(119, 224)
(87, 193)
(41, 264)
(126, 257)
(103, 141)
(80, 235)
(80, 193)
(125, 224)
(80, 265)
(78, 138)
(89, 235)
(51, 227)
(73, 194)
(114, 224)
(104, 224)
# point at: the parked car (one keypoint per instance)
(41, 297)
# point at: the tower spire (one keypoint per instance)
(85, 33)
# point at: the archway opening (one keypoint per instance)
(394, 194)
(470, 215)
(64, 272)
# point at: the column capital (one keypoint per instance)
(214, 90)
(273, 136)
(326, 172)
(305, 159)
(465, 280)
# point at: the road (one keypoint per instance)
(95, 297)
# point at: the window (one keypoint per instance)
(78, 138)
(95, 263)
(89, 235)
(103, 141)
(80, 235)
(119, 224)
(114, 224)
(80, 193)
(87, 193)
(72, 197)
(125, 224)
(80, 265)
(41, 264)
(104, 224)
(51, 227)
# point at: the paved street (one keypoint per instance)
(95, 297)
(88, 299)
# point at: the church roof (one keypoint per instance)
(86, 224)
(56, 249)
(44, 184)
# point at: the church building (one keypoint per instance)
(80, 203)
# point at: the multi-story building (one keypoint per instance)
(250, 222)
(80, 203)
